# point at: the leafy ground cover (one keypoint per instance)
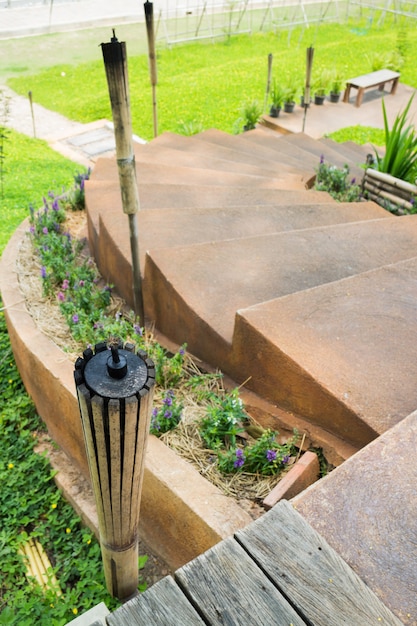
(205, 85)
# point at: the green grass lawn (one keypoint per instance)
(206, 84)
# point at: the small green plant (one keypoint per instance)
(169, 370)
(291, 91)
(336, 82)
(223, 422)
(335, 181)
(400, 157)
(251, 114)
(189, 127)
(167, 416)
(321, 83)
(75, 199)
(265, 456)
(277, 95)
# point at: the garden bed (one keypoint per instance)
(182, 514)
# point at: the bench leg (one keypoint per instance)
(347, 93)
(394, 85)
(381, 87)
(359, 96)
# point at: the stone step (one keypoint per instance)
(171, 228)
(308, 150)
(228, 150)
(152, 153)
(341, 354)
(255, 149)
(212, 281)
(356, 508)
(354, 152)
(336, 154)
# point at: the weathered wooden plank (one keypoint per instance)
(229, 589)
(163, 604)
(309, 572)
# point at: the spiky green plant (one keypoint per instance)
(400, 158)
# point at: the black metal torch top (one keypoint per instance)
(115, 371)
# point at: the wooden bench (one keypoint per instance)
(369, 81)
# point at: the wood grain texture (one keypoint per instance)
(231, 590)
(301, 563)
(163, 604)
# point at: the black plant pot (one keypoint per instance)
(289, 107)
(319, 99)
(334, 97)
(274, 111)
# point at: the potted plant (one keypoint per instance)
(290, 94)
(277, 99)
(336, 87)
(320, 87)
(251, 114)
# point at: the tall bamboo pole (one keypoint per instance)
(268, 80)
(115, 62)
(148, 6)
(307, 88)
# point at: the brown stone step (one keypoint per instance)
(255, 149)
(228, 149)
(341, 354)
(170, 228)
(366, 511)
(354, 152)
(154, 153)
(207, 284)
(307, 150)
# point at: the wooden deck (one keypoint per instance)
(276, 572)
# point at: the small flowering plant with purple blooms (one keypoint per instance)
(223, 422)
(336, 182)
(265, 456)
(76, 196)
(166, 416)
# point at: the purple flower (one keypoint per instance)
(75, 319)
(137, 329)
(45, 230)
(82, 283)
(353, 181)
(240, 458)
(60, 296)
(43, 271)
(65, 284)
(32, 230)
(271, 455)
(181, 351)
(55, 205)
(168, 400)
(154, 412)
(286, 459)
(168, 414)
(322, 159)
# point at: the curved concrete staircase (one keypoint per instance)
(310, 301)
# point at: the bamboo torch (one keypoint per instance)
(115, 390)
(148, 6)
(115, 62)
(268, 80)
(309, 67)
